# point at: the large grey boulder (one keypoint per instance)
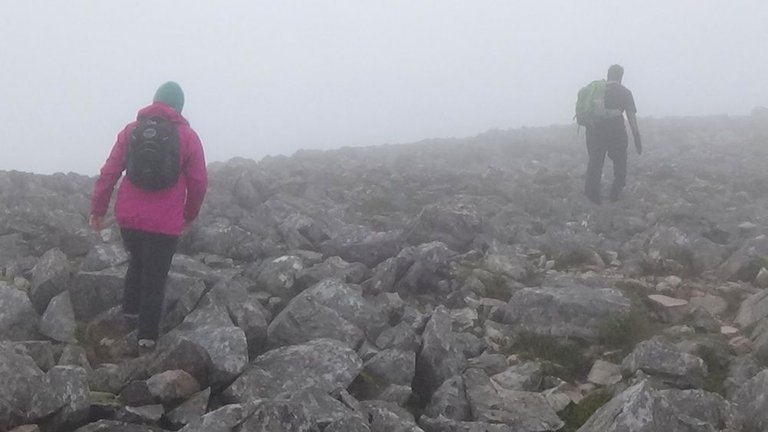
(95, 292)
(324, 364)
(304, 319)
(455, 224)
(211, 327)
(388, 417)
(182, 296)
(331, 268)
(190, 410)
(752, 309)
(18, 319)
(65, 394)
(58, 321)
(745, 263)
(278, 416)
(576, 311)
(384, 372)
(347, 300)
(666, 362)
(442, 424)
(223, 419)
(643, 408)
(423, 267)
(507, 261)
(360, 244)
(522, 411)
(526, 376)
(449, 401)
(21, 379)
(49, 278)
(277, 276)
(751, 401)
(244, 309)
(117, 426)
(439, 358)
(323, 409)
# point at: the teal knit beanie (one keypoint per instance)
(170, 94)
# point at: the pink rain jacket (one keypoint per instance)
(165, 211)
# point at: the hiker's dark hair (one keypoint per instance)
(615, 73)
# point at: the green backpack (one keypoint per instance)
(590, 104)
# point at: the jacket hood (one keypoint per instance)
(159, 109)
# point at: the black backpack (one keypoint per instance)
(153, 154)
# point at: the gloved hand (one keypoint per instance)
(638, 144)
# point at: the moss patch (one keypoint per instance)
(575, 416)
(717, 370)
(559, 357)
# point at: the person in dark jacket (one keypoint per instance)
(151, 221)
(608, 136)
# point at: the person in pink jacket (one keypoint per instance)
(152, 213)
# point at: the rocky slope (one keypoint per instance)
(450, 285)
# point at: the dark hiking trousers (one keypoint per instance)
(150, 256)
(600, 144)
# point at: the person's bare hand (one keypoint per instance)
(95, 222)
(638, 144)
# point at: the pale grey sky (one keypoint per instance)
(271, 77)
